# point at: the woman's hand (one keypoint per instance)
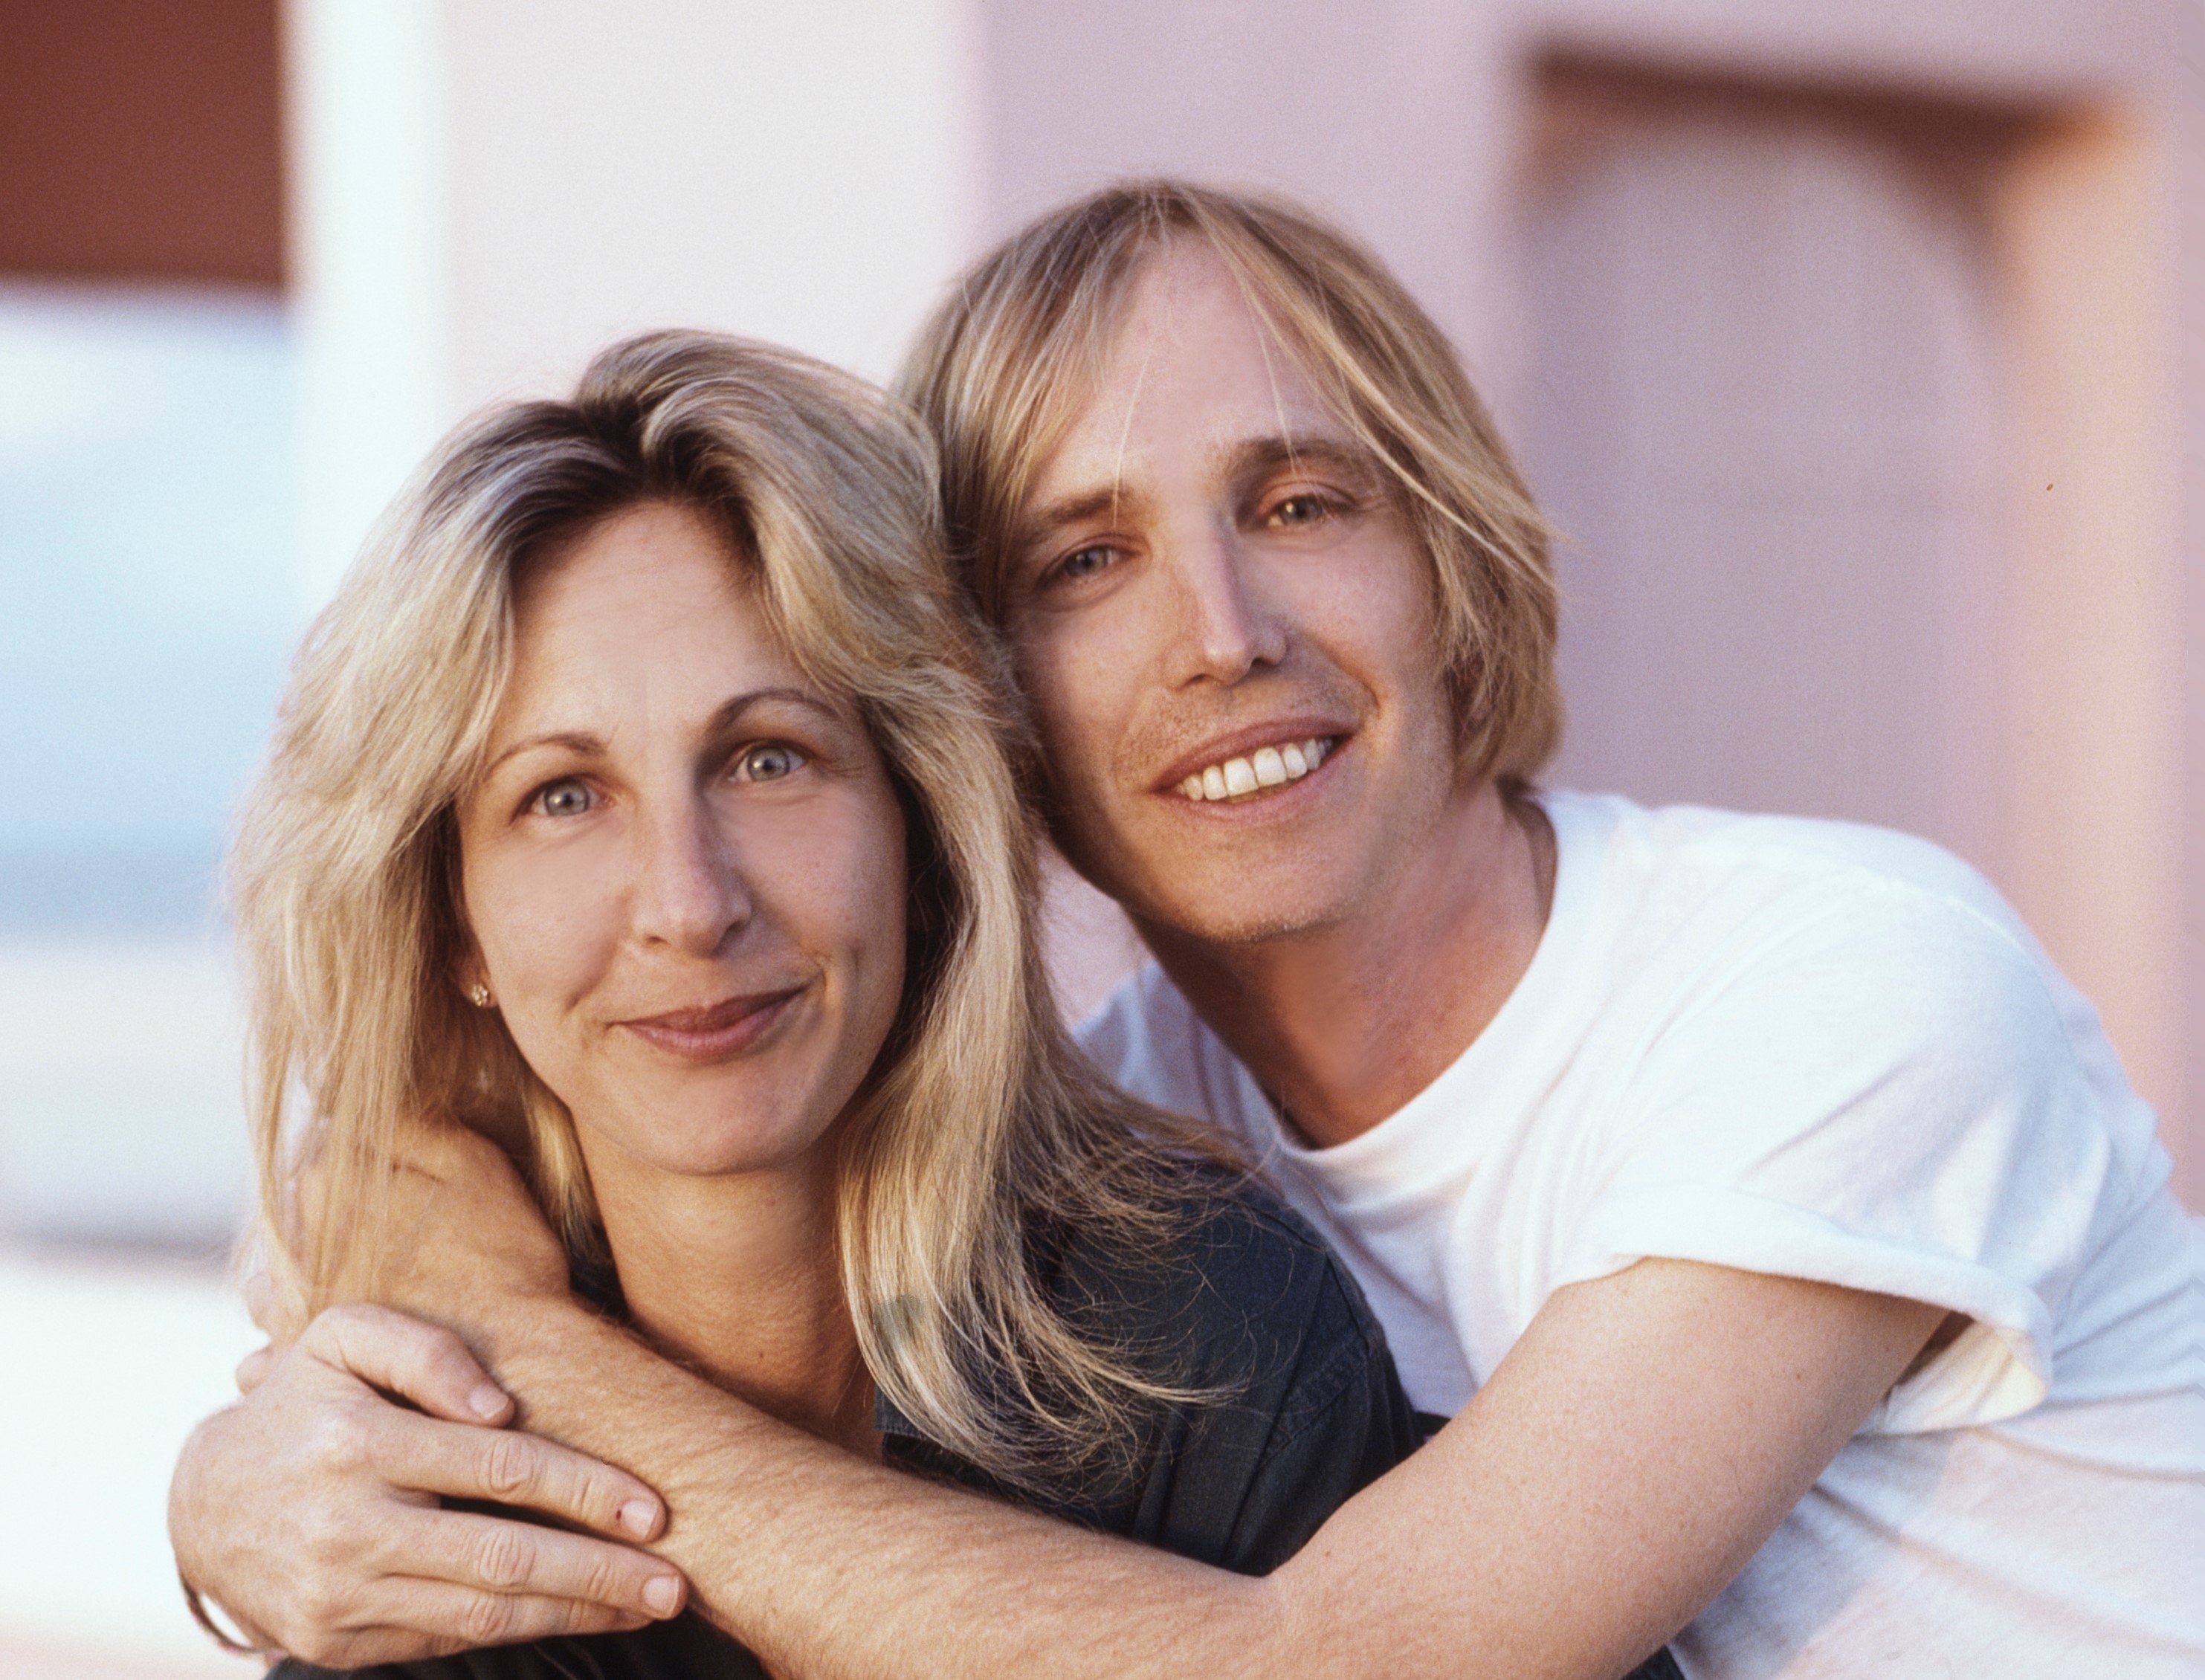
(309, 1510)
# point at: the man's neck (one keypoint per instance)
(737, 1279)
(1344, 1023)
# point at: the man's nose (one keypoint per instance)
(1226, 629)
(689, 892)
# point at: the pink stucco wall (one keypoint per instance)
(2008, 676)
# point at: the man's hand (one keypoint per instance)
(471, 1235)
(463, 1238)
(309, 1510)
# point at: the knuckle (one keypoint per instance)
(577, 1618)
(590, 1496)
(338, 1441)
(487, 1618)
(444, 1359)
(606, 1582)
(330, 1539)
(317, 1535)
(508, 1467)
(505, 1556)
(320, 1608)
(432, 1344)
(345, 1318)
(321, 1541)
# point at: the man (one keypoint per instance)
(1731, 1184)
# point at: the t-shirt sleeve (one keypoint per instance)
(1882, 1095)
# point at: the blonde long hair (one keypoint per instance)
(983, 1129)
(1006, 363)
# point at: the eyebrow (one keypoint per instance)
(1241, 460)
(1268, 455)
(1076, 508)
(725, 717)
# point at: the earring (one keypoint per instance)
(478, 995)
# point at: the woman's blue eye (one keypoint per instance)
(1083, 562)
(569, 798)
(1299, 510)
(769, 762)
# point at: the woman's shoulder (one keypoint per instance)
(1239, 1289)
(1290, 1402)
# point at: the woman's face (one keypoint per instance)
(684, 868)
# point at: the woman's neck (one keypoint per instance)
(739, 1278)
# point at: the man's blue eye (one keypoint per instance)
(569, 798)
(770, 762)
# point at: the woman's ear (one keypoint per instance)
(469, 972)
(473, 983)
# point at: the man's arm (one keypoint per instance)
(1645, 1435)
(1631, 1454)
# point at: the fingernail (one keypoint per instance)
(639, 1517)
(661, 1592)
(488, 1401)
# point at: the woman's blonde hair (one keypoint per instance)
(982, 1129)
(1003, 368)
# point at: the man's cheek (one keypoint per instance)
(1063, 726)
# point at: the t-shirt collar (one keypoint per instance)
(1426, 1132)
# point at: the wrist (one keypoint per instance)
(233, 1639)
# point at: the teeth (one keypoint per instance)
(1269, 767)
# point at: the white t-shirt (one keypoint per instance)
(1824, 1052)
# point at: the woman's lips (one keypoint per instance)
(716, 1031)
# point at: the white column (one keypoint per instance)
(368, 164)
(489, 190)
(793, 172)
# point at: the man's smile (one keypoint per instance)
(1243, 777)
(1250, 762)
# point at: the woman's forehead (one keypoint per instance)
(649, 611)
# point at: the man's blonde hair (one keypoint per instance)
(982, 1130)
(1001, 370)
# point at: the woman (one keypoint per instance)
(642, 803)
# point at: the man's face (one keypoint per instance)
(1225, 629)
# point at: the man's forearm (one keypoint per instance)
(828, 1565)
(1619, 1467)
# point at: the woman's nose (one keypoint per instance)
(689, 894)
(1226, 629)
